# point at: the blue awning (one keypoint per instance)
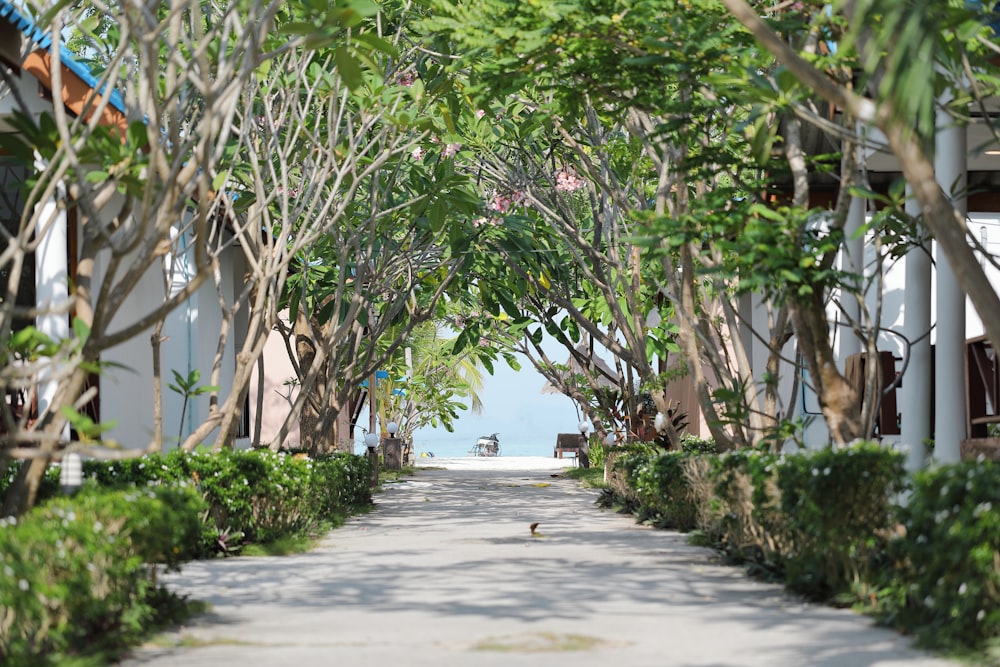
(43, 39)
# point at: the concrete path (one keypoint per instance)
(446, 572)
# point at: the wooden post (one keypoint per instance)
(392, 450)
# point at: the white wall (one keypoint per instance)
(277, 369)
(190, 339)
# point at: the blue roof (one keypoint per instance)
(43, 38)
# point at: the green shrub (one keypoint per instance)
(819, 519)
(621, 464)
(839, 509)
(261, 494)
(949, 557)
(595, 452)
(340, 483)
(749, 528)
(664, 493)
(76, 572)
(47, 488)
(251, 495)
(692, 444)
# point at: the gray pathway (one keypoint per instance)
(446, 572)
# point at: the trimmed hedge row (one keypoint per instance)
(827, 523)
(250, 495)
(77, 573)
(948, 560)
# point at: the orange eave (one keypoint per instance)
(77, 96)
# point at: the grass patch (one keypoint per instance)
(188, 641)
(390, 476)
(283, 546)
(592, 478)
(539, 642)
(299, 542)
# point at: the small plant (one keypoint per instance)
(188, 388)
(228, 542)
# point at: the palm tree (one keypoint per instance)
(428, 383)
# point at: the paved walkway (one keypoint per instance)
(446, 572)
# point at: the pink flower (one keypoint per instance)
(450, 150)
(500, 203)
(418, 153)
(480, 113)
(568, 181)
(406, 78)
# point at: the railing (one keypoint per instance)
(982, 386)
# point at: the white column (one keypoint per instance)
(949, 362)
(852, 260)
(51, 287)
(915, 393)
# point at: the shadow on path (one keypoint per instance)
(446, 571)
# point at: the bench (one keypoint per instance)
(569, 443)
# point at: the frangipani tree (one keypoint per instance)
(140, 187)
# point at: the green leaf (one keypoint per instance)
(81, 330)
(348, 67)
(377, 44)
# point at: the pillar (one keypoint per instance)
(949, 358)
(51, 287)
(916, 390)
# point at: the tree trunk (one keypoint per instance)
(305, 349)
(838, 400)
(24, 490)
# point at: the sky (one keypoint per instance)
(513, 406)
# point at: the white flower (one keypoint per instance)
(962, 589)
(23, 584)
(981, 615)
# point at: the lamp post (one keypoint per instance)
(371, 442)
(71, 473)
(583, 458)
(609, 462)
(392, 448)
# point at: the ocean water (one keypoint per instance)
(452, 447)
(509, 447)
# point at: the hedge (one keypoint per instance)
(78, 573)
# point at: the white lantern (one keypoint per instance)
(71, 475)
